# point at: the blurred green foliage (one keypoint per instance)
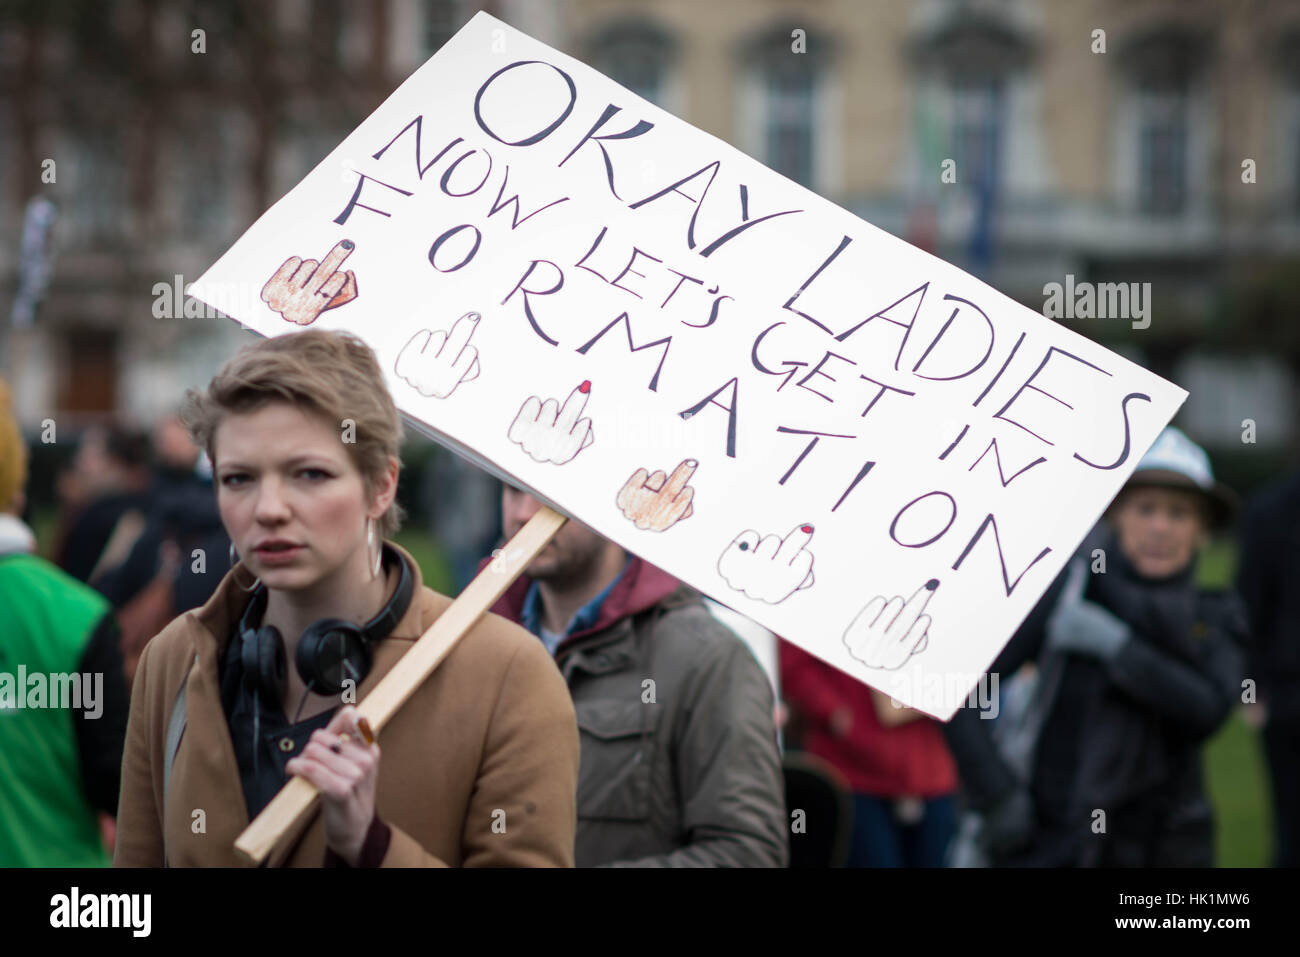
(433, 563)
(1217, 564)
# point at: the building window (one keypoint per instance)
(1162, 152)
(1162, 68)
(977, 129)
(316, 141)
(636, 56)
(1288, 59)
(789, 87)
(1295, 156)
(971, 60)
(325, 23)
(204, 197)
(101, 199)
(442, 18)
(788, 139)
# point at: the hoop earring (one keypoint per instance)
(234, 557)
(379, 551)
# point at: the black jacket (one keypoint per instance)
(183, 510)
(1268, 578)
(1122, 738)
(89, 531)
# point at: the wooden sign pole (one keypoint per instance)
(298, 797)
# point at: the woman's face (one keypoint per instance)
(1160, 529)
(290, 496)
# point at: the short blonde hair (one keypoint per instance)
(333, 374)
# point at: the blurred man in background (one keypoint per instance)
(105, 500)
(181, 552)
(680, 765)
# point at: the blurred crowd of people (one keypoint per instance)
(136, 525)
(1110, 690)
(1093, 757)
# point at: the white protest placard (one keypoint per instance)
(848, 440)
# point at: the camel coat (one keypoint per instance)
(478, 768)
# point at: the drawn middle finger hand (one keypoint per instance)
(303, 274)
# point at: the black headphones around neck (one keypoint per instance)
(330, 652)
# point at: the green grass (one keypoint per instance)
(1236, 777)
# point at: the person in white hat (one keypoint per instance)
(1136, 668)
(1169, 506)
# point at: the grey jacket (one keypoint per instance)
(680, 765)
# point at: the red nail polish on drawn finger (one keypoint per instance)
(585, 387)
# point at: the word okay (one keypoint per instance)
(302, 289)
(434, 363)
(769, 568)
(551, 433)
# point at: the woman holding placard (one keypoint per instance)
(478, 767)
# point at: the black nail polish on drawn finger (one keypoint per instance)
(932, 584)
